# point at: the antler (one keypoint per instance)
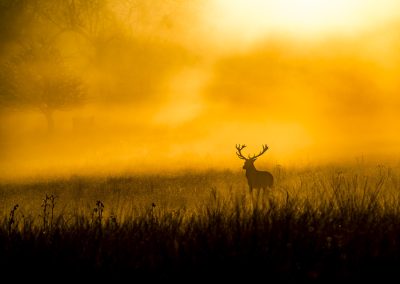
(239, 149)
(265, 148)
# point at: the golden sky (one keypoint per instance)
(179, 86)
(254, 19)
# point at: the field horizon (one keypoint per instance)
(184, 166)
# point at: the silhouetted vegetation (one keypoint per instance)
(328, 223)
(56, 55)
(37, 78)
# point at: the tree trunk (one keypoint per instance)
(50, 120)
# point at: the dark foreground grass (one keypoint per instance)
(325, 225)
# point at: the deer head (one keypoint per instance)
(249, 162)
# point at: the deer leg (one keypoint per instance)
(259, 193)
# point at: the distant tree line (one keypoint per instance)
(42, 41)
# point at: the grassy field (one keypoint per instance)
(328, 223)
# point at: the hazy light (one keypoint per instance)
(177, 84)
(249, 20)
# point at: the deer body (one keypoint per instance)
(258, 179)
(255, 178)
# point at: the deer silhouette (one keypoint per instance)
(255, 178)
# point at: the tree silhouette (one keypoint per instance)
(38, 78)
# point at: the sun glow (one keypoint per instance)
(302, 18)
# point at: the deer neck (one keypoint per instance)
(251, 170)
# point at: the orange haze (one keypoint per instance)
(173, 85)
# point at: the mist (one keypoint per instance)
(112, 87)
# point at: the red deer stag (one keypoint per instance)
(255, 178)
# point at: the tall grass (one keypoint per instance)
(327, 223)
